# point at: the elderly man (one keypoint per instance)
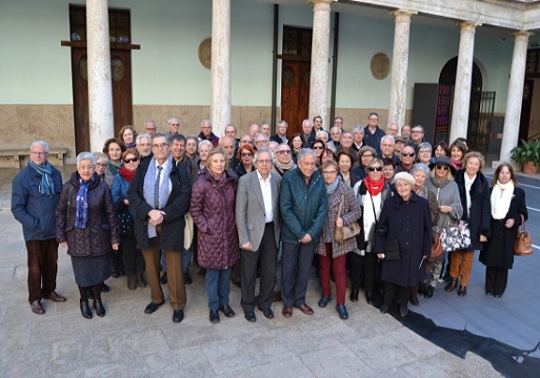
(358, 138)
(284, 161)
(408, 157)
(388, 148)
(230, 131)
(261, 141)
(338, 122)
(303, 204)
(254, 129)
(207, 134)
(308, 134)
(265, 129)
(406, 132)
(392, 129)
(373, 133)
(246, 139)
(160, 194)
(34, 197)
(150, 127)
(144, 146)
(335, 135)
(174, 126)
(227, 143)
(258, 224)
(281, 134)
(417, 136)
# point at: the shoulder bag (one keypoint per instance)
(523, 244)
(346, 232)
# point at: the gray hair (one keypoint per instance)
(273, 143)
(405, 177)
(358, 128)
(425, 146)
(419, 167)
(142, 136)
(173, 119)
(263, 136)
(283, 122)
(205, 143)
(150, 121)
(40, 143)
(160, 135)
(388, 137)
(263, 149)
(418, 126)
(322, 132)
(306, 152)
(206, 121)
(101, 156)
(85, 155)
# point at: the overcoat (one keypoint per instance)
(498, 252)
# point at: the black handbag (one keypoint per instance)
(391, 250)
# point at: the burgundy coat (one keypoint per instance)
(213, 211)
(101, 229)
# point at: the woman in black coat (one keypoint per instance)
(507, 207)
(404, 217)
(474, 193)
(86, 225)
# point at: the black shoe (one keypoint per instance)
(227, 311)
(429, 292)
(141, 282)
(384, 308)
(403, 311)
(354, 295)
(369, 297)
(267, 312)
(187, 279)
(452, 285)
(342, 311)
(250, 316)
(324, 301)
(497, 295)
(422, 288)
(152, 307)
(105, 288)
(115, 273)
(163, 278)
(462, 291)
(214, 316)
(178, 316)
(121, 272)
(414, 300)
(132, 282)
(85, 310)
(98, 306)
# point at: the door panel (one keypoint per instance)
(295, 94)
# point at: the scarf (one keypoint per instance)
(468, 185)
(374, 187)
(501, 196)
(284, 167)
(47, 184)
(457, 165)
(331, 188)
(148, 189)
(81, 214)
(131, 145)
(126, 174)
(114, 167)
(421, 191)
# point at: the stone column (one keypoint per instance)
(320, 53)
(515, 95)
(100, 100)
(462, 89)
(400, 63)
(221, 66)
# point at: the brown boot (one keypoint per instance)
(452, 285)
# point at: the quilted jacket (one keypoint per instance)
(101, 231)
(213, 211)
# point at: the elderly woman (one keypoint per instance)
(245, 160)
(132, 257)
(204, 148)
(441, 182)
(507, 208)
(113, 148)
(86, 226)
(128, 135)
(358, 137)
(475, 200)
(323, 135)
(365, 155)
(370, 194)
(420, 172)
(423, 153)
(405, 220)
(213, 211)
(102, 161)
(333, 254)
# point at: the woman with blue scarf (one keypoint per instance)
(86, 225)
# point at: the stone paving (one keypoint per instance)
(129, 343)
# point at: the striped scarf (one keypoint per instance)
(47, 184)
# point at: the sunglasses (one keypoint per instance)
(373, 169)
(318, 147)
(410, 154)
(132, 160)
(443, 167)
(245, 154)
(286, 152)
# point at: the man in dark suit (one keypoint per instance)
(257, 221)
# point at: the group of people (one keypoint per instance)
(149, 203)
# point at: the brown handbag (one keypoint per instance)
(436, 247)
(523, 244)
(346, 232)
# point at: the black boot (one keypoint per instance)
(98, 306)
(85, 309)
(131, 282)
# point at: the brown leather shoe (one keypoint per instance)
(55, 297)
(305, 309)
(452, 285)
(37, 308)
(462, 291)
(287, 311)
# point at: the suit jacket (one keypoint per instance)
(250, 212)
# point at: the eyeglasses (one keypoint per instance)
(443, 167)
(132, 160)
(174, 124)
(416, 131)
(410, 154)
(329, 172)
(160, 146)
(246, 141)
(373, 169)
(284, 152)
(367, 155)
(36, 153)
(246, 154)
(100, 165)
(318, 148)
(264, 161)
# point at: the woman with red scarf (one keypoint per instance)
(132, 257)
(370, 194)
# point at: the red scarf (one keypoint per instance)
(126, 173)
(374, 187)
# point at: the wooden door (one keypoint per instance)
(121, 90)
(526, 107)
(295, 93)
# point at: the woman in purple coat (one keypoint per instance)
(213, 210)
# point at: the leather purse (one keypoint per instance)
(436, 247)
(523, 244)
(346, 232)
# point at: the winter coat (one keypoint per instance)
(374, 140)
(447, 194)
(119, 190)
(101, 229)
(303, 209)
(213, 211)
(350, 212)
(35, 210)
(213, 138)
(172, 228)
(478, 218)
(410, 223)
(498, 252)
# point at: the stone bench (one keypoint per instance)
(16, 155)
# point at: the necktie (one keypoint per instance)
(156, 188)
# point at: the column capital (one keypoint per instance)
(522, 34)
(468, 25)
(403, 14)
(322, 4)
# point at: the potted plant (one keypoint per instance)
(528, 155)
